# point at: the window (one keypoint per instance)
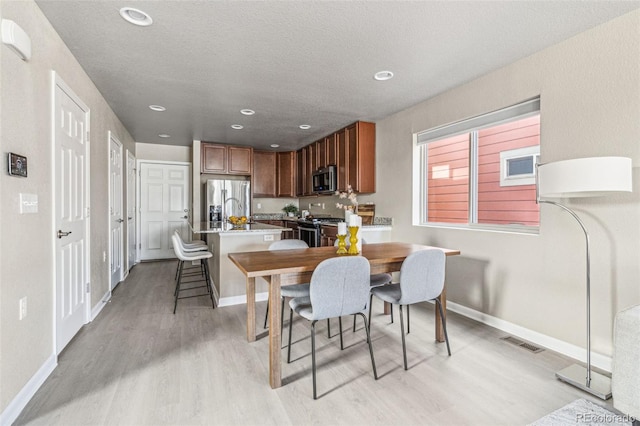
(481, 172)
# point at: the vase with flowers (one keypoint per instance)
(352, 197)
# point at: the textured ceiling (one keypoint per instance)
(303, 62)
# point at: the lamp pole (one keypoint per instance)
(575, 374)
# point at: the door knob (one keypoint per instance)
(185, 217)
(130, 217)
(62, 234)
(119, 220)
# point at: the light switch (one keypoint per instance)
(28, 203)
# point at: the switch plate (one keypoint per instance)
(23, 308)
(259, 206)
(28, 203)
(268, 237)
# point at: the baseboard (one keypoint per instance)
(241, 300)
(576, 352)
(100, 305)
(15, 407)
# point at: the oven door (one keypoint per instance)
(310, 235)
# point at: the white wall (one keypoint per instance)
(590, 104)
(155, 152)
(26, 241)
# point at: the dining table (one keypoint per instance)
(285, 267)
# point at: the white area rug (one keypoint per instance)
(583, 412)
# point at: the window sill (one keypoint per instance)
(505, 229)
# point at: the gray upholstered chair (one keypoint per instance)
(288, 291)
(375, 280)
(182, 256)
(421, 279)
(339, 286)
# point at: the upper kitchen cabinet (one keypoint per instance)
(286, 171)
(274, 174)
(225, 159)
(264, 174)
(361, 157)
(301, 170)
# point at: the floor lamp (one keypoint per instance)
(584, 177)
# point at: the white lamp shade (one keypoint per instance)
(585, 177)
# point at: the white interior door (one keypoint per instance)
(132, 246)
(71, 200)
(164, 205)
(116, 213)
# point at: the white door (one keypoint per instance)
(164, 205)
(71, 200)
(131, 211)
(116, 213)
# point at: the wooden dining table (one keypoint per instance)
(285, 267)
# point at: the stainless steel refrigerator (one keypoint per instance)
(227, 198)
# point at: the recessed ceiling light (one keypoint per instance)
(157, 107)
(305, 126)
(237, 126)
(274, 145)
(247, 111)
(136, 16)
(383, 75)
(164, 135)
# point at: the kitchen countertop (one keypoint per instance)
(228, 228)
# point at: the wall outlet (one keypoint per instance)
(259, 206)
(23, 308)
(268, 237)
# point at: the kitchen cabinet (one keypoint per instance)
(361, 157)
(264, 174)
(332, 153)
(321, 153)
(341, 159)
(301, 176)
(285, 166)
(328, 235)
(310, 167)
(225, 159)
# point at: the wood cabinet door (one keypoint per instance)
(213, 158)
(341, 159)
(361, 157)
(264, 174)
(240, 160)
(285, 171)
(310, 162)
(300, 172)
(321, 153)
(332, 153)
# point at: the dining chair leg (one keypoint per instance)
(290, 328)
(404, 345)
(281, 318)
(392, 313)
(373, 361)
(329, 329)
(177, 269)
(444, 325)
(354, 323)
(175, 292)
(408, 321)
(266, 315)
(370, 303)
(313, 357)
(340, 327)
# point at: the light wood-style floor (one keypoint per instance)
(138, 364)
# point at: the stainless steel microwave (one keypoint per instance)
(324, 180)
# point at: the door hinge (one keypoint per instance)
(88, 287)
(88, 133)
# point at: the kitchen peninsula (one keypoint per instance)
(223, 238)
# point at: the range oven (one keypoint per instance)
(310, 229)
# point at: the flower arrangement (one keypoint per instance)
(351, 196)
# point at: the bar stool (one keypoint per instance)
(197, 245)
(182, 256)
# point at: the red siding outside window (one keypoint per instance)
(448, 162)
